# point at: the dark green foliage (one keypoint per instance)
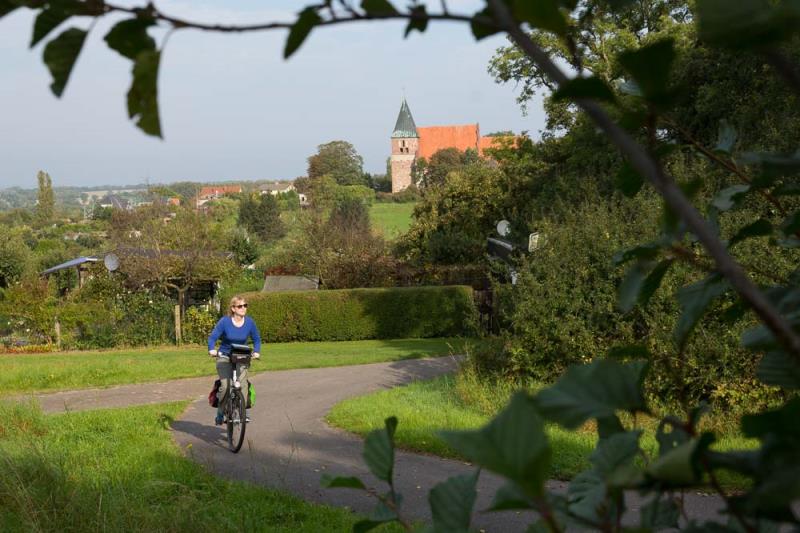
(14, 257)
(340, 161)
(45, 201)
(355, 314)
(260, 214)
(60, 55)
(143, 94)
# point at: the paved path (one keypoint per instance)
(288, 446)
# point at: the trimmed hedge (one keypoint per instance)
(356, 314)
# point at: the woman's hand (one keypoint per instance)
(212, 353)
(256, 355)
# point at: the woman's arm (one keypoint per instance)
(255, 335)
(216, 333)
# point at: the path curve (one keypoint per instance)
(289, 446)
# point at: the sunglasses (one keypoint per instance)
(240, 306)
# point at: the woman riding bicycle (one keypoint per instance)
(235, 328)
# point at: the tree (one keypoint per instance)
(171, 254)
(434, 172)
(260, 214)
(45, 201)
(15, 257)
(339, 160)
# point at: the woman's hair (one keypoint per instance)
(236, 300)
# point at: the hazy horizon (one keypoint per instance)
(231, 108)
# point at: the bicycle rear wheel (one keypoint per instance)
(237, 420)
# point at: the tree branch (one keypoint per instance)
(675, 199)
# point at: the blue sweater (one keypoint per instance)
(230, 334)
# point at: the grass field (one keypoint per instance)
(119, 470)
(80, 370)
(391, 219)
(424, 408)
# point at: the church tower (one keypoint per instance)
(405, 144)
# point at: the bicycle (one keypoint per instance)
(235, 403)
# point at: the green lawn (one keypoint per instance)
(423, 408)
(77, 370)
(119, 470)
(391, 219)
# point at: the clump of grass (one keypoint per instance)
(118, 470)
(468, 401)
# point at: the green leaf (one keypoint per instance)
(585, 88)
(628, 180)
(510, 497)
(615, 452)
(679, 467)
(779, 369)
(777, 422)
(650, 67)
(596, 390)
(759, 228)
(418, 20)
(60, 55)
(627, 351)
(379, 450)
(306, 20)
(640, 283)
(49, 19)
(143, 94)
(513, 444)
(771, 166)
(660, 513)
(586, 495)
(791, 224)
(378, 7)
(608, 426)
(787, 189)
(631, 286)
(694, 299)
(744, 23)
(729, 197)
(726, 138)
(7, 6)
(451, 503)
(653, 281)
(643, 251)
(482, 24)
(543, 14)
(669, 440)
(342, 482)
(130, 37)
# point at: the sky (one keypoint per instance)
(231, 107)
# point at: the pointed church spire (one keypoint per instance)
(404, 127)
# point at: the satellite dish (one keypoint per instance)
(503, 228)
(111, 261)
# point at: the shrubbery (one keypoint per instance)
(355, 314)
(563, 311)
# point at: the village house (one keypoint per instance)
(282, 187)
(410, 143)
(207, 194)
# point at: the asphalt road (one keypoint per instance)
(288, 446)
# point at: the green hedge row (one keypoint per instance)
(354, 314)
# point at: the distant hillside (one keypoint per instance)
(17, 197)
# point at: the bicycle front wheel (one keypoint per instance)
(237, 421)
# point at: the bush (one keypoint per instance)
(355, 314)
(563, 312)
(198, 324)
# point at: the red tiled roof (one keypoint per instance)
(435, 138)
(219, 191)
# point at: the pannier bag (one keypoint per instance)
(213, 401)
(251, 395)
